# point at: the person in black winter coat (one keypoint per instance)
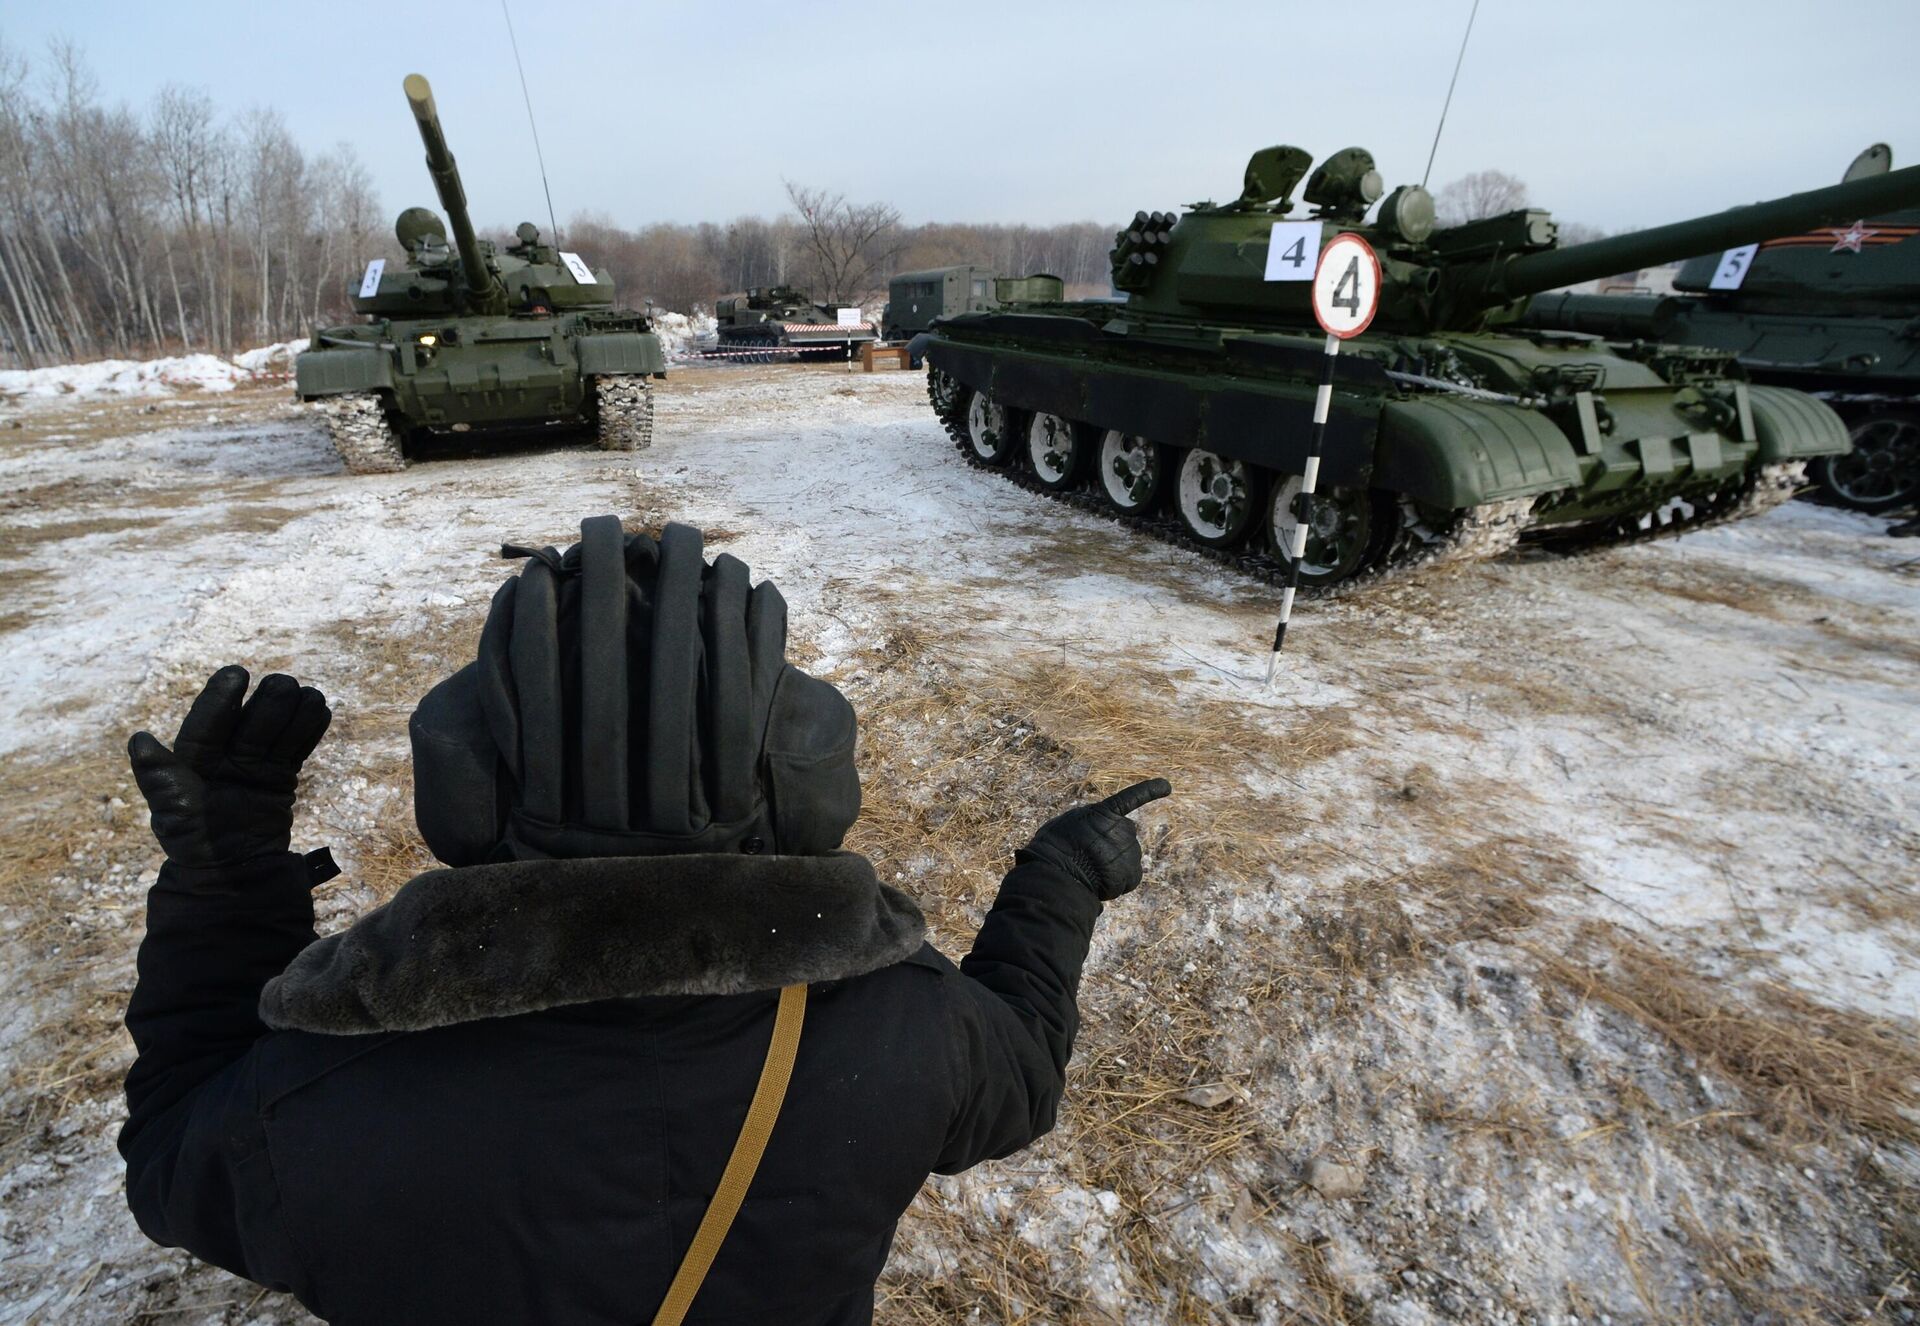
(508, 1095)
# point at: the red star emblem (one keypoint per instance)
(1850, 239)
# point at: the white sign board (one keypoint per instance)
(1346, 287)
(847, 317)
(370, 283)
(1293, 250)
(581, 272)
(1733, 267)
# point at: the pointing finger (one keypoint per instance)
(210, 722)
(266, 715)
(1129, 799)
(158, 773)
(304, 730)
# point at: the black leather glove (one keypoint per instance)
(224, 794)
(1097, 844)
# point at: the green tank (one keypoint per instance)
(1184, 407)
(781, 322)
(464, 338)
(1833, 311)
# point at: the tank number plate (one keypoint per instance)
(1733, 267)
(581, 272)
(370, 282)
(1293, 250)
(1346, 287)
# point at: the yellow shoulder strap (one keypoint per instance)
(747, 1150)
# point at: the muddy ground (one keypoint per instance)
(1539, 949)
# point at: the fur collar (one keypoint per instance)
(496, 940)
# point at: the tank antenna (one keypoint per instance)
(1445, 105)
(528, 98)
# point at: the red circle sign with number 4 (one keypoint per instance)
(1346, 286)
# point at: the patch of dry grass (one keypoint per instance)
(1806, 1065)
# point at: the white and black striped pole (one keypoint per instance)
(1303, 502)
(1346, 293)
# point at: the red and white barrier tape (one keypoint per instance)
(758, 353)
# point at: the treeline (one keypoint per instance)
(687, 266)
(125, 231)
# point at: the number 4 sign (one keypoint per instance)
(1293, 250)
(1346, 287)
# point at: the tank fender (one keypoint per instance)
(1790, 424)
(621, 352)
(1457, 453)
(336, 370)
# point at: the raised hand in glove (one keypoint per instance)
(224, 794)
(1097, 844)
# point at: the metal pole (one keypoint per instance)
(1309, 478)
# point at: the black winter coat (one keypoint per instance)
(543, 1145)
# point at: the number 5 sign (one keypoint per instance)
(1346, 286)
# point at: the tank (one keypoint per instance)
(781, 322)
(1184, 407)
(466, 339)
(1833, 311)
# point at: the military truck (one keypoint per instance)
(776, 322)
(1186, 411)
(915, 299)
(1833, 310)
(466, 339)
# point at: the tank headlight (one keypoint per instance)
(428, 338)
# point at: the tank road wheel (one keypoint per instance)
(623, 412)
(1217, 499)
(944, 391)
(1883, 469)
(1340, 531)
(366, 439)
(988, 436)
(1133, 472)
(1056, 452)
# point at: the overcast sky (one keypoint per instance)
(1615, 114)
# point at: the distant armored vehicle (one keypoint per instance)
(1834, 311)
(773, 319)
(463, 338)
(1185, 411)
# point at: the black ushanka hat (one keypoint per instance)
(631, 699)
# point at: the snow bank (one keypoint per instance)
(681, 332)
(149, 377)
(123, 377)
(271, 358)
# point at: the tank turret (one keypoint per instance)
(483, 288)
(1832, 307)
(1436, 279)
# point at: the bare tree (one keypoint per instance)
(1482, 194)
(849, 247)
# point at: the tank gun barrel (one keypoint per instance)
(1502, 279)
(446, 183)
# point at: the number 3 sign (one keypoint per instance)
(1346, 286)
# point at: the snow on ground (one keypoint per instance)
(1703, 749)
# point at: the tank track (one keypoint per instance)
(366, 439)
(1758, 493)
(623, 412)
(1475, 534)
